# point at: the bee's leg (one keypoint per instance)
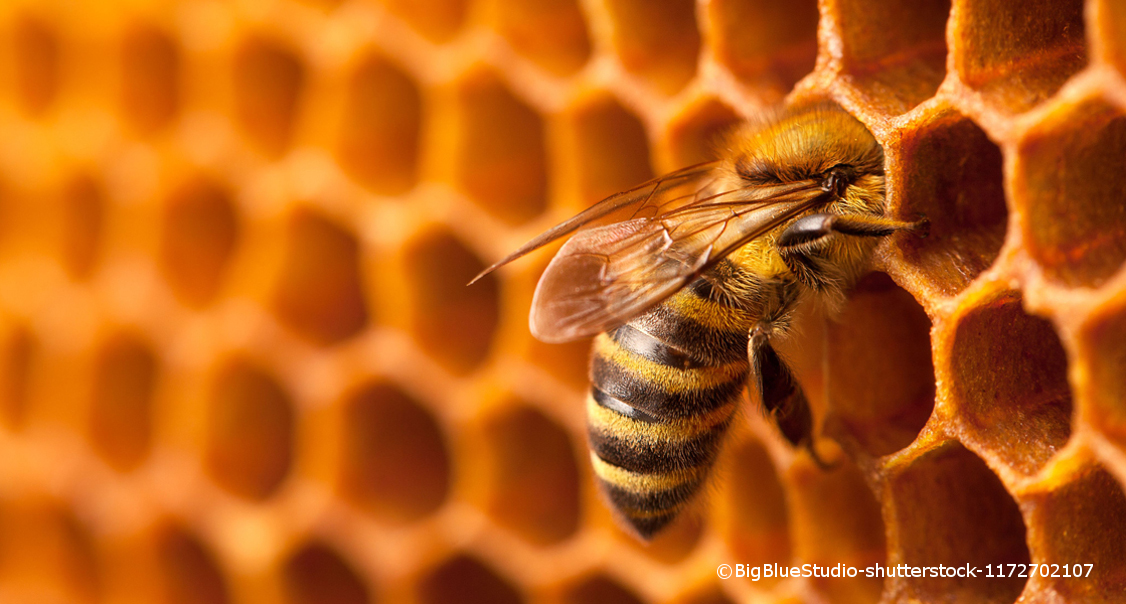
(801, 243)
(815, 228)
(782, 396)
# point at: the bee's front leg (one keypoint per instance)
(782, 397)
(801, 244)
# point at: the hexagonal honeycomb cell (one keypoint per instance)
(551, 33)
(239, 363)
(499, 154)
(1075, 226)
(532, 486)
(394, 458)
(121, 405)
(83, 208)
(765, 44)
(382, 124)
(249, 431)
(975, 522)
(200, 229)
(269, 78)
(320, 293)
(1016, 57)
(150, 78)
(895, 56)
(35, 55)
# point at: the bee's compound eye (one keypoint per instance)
(755, 170)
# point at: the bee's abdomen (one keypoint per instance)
(657, 413)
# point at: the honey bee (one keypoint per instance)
(686, 280)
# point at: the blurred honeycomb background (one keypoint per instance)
(239, 363)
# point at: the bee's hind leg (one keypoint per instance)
(782, 397)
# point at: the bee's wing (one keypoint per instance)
(605, 276)
(649, 198)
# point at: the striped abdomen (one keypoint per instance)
(664, 388)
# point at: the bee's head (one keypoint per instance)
(819, 142)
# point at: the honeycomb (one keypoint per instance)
(239, 363)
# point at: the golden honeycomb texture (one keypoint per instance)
(239, 363)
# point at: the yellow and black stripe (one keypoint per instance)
(664, 388)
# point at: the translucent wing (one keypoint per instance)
(647, 199)
(605, 276)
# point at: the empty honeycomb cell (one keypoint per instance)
(395, 462)
(598, 589)
(1076, 222)
(895, 52)
(1081, 522)
(533, 480)
(47, 550)
(880, 373)
(249, 431)
(314, 574)
(499, 155)
(36, 54)
(657, 41)
(15, 374)
(698, 135)
(1011, 387)
(463, 579)
(189, 572)
(269, 78)
(754, 519)
(319, 293)
(199, 231)
(552, 33)
(769, 45)
(611, 148)
(125, 375)
(1018, 55)
(379, 137)
(83, 217)
(836, 519)
(150, 79)
(454, 323)
(949, 509)
(948, 171)
(438, 20)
